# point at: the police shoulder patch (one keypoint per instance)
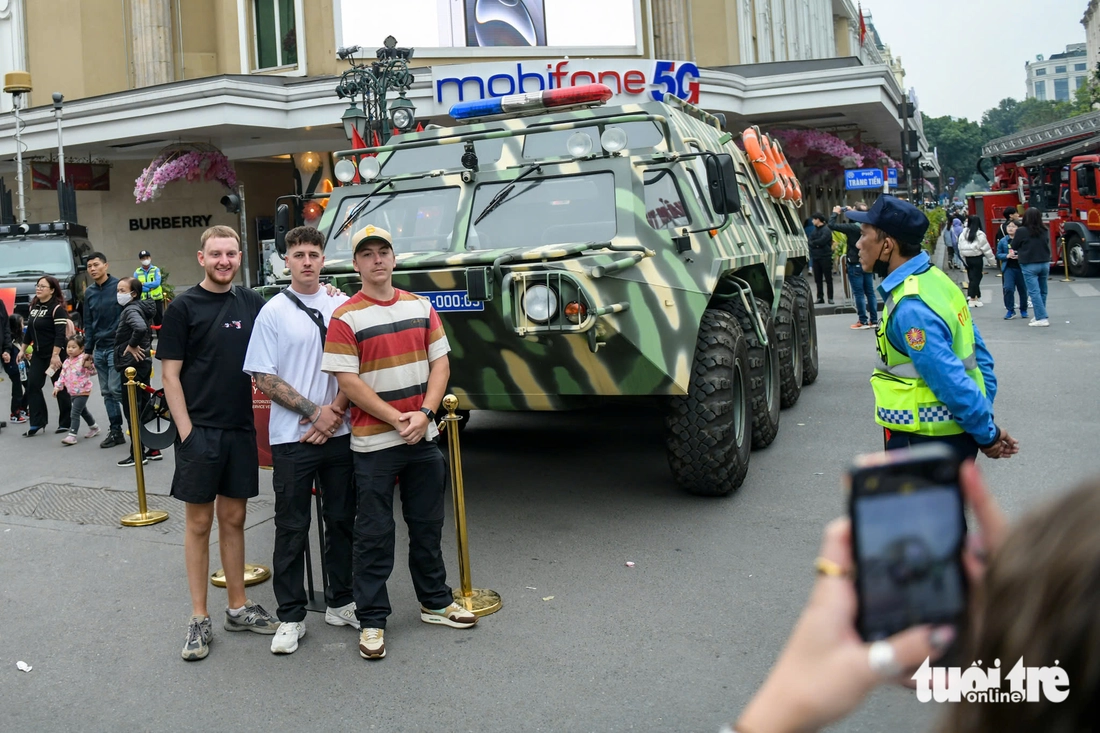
(915, 338)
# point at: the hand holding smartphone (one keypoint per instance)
(908, 536)
(50, 372)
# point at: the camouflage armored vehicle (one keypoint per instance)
(587, 253)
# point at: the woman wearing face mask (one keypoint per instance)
(133, 339)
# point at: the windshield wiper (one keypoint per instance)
(25, 272)
(499, 198)
(354, 213)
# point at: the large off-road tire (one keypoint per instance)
(1076, 257)
(789, 339)
(710, 428)
(763, 371)
(807, 328)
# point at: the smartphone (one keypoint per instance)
(908, 535)
(50, 372)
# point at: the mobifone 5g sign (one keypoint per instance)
(630, 80)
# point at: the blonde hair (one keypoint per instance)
(219, 231)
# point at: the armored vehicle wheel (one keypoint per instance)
(789, 340)
(763, 372)
(709, 429)
(807, 327)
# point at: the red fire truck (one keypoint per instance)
(1055, 168)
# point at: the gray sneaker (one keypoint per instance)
(199, 636)
(252, 618)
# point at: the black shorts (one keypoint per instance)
(213, 461)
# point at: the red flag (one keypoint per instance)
(357, 140)
(862, 27)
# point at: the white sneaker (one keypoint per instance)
(342, 616)
(978, 304)
(1044, 323)
(287, 636)
(970, 304)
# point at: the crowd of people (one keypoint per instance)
(1021, 251)
(355, 383)
(118, 321)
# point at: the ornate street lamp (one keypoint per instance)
(370, 84)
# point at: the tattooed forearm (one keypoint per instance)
(281, 393)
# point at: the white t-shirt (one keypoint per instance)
(287, 343)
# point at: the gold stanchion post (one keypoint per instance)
(479, 601)
(144, 517)
(1065, 261)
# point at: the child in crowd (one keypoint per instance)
(76, 379)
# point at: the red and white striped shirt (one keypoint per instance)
(389, 345)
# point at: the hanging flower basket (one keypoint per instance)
(815, 146)
(190, 162)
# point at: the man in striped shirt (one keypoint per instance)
(388, 352)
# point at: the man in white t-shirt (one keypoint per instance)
(310, 439)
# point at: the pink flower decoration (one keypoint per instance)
(193, 165)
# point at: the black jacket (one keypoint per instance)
(1031, 249)
(5, 329)
(821, 243)
(133, 330)
(101, 311)
(852, 232)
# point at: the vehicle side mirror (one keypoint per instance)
(282, 225)
(725, 198)
(83, 266)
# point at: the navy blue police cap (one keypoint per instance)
(899, 219)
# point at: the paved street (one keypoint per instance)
(557, 505)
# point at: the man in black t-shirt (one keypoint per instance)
(202, 346)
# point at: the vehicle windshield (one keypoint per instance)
(419, 221)
(32, 257)
(540, 211)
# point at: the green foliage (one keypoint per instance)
(937, 220)
(169, 290)
(960, 141)
(959, 145)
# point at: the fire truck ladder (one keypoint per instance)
(1055, 133)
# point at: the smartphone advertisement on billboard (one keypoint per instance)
(500, 27)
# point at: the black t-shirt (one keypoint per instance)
(217, 391)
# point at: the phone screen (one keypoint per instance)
(908, 535)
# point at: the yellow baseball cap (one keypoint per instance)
(371, 233)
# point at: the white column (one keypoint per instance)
(151, 34)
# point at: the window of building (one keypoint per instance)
(1059, 69)
(276, 36)
(1061, 90)
(1079, 67)
(1041, 72)
(1041, 90)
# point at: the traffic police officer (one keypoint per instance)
(150, 277)
(934, 378)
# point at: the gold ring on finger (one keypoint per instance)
(828, 567)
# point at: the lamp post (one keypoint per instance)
(366, 86)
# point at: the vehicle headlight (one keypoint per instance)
(540, 303)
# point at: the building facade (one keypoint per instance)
(1057, 78)
(255, 79)
(1091, 21)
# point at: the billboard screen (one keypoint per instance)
(490, 27)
